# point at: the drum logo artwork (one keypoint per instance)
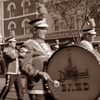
(71, 73)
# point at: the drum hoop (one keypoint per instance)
(66, 47)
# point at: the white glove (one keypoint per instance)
(44, 75)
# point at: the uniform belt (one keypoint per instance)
(37, 92)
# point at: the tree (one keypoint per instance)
(72, 12)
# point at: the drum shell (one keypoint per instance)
(78, 72)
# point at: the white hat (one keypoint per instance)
(89, 27)
(10, 39)
(91, 31)
(38, 23)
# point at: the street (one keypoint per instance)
(12, 94)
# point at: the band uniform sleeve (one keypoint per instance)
(29, 69)
(10, 54)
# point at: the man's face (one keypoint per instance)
(41, 32)
(90, 37)
(12, 44)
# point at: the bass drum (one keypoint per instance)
(78, 73)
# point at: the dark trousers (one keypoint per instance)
(40, 97)
(10, 79)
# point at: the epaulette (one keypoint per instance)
(30, 40)
(5, 50)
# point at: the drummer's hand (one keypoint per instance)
(44, 75)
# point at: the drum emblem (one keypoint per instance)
(72, 73)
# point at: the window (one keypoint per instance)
(63, 26)
(25, 26)
(12, 11)
(27, 30)
(25, 5)
(26, 8)
(11, 8)
(56, 25)
(11, 28)
(71, 26)
(12, 31)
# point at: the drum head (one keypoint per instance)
(78, 72)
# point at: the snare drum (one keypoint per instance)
(78, 73)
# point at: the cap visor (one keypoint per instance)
(42, 25)
(12, 40)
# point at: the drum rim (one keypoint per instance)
(67, 47)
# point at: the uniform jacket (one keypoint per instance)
(11, 60)
(33, 54)
(89, 47)
(32, 48)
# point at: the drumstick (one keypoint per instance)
(55, 82)
(51, 80)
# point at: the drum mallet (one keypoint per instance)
(55, 82)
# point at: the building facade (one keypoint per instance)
(15, 15)
(1, 22)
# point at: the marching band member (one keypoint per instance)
(88, 34)
(56, 47)
(88, 37)
(33, 53)
(12, 73)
